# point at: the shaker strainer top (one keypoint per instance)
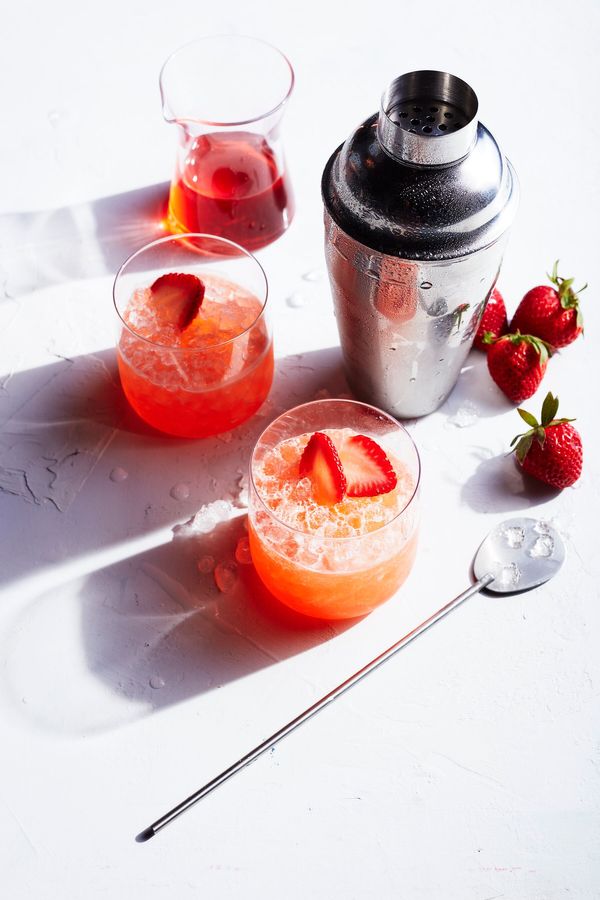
(423, 178)
(428, 118)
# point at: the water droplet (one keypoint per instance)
(425, 285)
(313, 275)
(54, 117)
(296, 300)
(180, 491)
(242, 551)
(118, 474)
(206, 564)
(412, 380)
(156, 682)
(225, 576)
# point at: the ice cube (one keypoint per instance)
(542, 527)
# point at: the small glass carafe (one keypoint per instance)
(227, 94)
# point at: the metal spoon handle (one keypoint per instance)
(312, 710)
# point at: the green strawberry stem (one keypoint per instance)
(537, 430)
(569, 298)
(543, 349)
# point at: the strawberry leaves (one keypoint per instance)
(537, 429)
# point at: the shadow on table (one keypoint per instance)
(154, 630)
(85, 240)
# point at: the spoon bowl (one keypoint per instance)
(520, 553)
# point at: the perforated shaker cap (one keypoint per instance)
(428, 118)
(423, 178)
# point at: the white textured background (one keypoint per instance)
(469, 766)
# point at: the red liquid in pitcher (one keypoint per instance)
(230, 185)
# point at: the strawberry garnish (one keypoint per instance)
(321, 463)
(551, 313)
(177, 297)
(368, 470)
(551, 450)
(493, 322)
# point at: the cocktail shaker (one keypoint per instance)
(418, 204)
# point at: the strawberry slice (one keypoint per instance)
(177, 298)
(368, 470)
(321, 463)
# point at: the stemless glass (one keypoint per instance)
(226, 94)
(217, 379)
(331, 566)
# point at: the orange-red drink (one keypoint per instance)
(210, 371)
(332, 560)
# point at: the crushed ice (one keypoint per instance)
(543, 547)
(465, 416)
(514, 536)
(207, 518)
(510, 575)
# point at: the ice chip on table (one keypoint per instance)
(207, 518)
(508, 575)
(514, 536)
(542, 527)
(242, 551)
(543, 547)
(465, 416)
(242, 492)
(225, 575)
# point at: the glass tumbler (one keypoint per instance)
(213, 375)
(339, 561)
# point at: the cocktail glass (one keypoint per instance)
(215, 374)
(340, 561)
(227, 94)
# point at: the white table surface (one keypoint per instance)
(466, 768)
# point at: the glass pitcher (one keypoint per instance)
(227, 94)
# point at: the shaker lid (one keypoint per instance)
(422, 179)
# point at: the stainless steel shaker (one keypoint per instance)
(418, 203)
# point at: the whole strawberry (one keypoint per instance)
(517, 363)
(551, 450)
(493, 321)
(551, 313)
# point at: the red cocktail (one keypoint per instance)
(227, 95)
(194, 347)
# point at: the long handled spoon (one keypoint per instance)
(516, 555)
